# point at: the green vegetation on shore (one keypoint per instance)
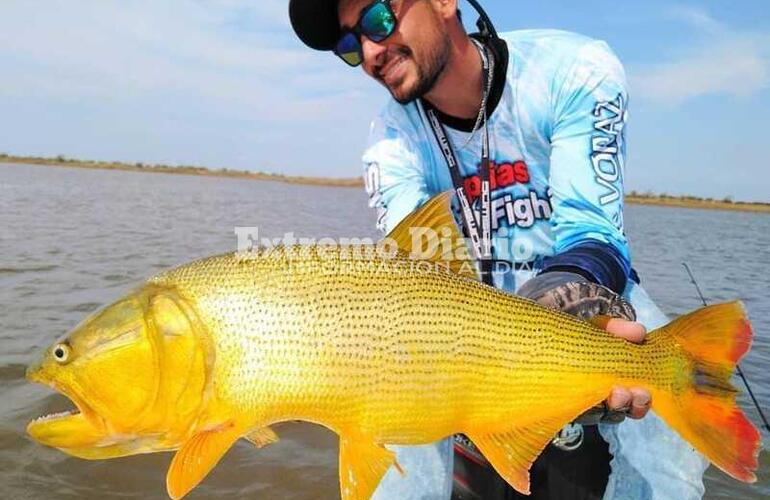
(633, 197)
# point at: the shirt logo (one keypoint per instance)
(524, 211)
(500, 176)
(606, 144)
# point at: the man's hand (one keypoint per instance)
(575, 295)
(634, 402)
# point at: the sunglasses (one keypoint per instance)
(377, 22)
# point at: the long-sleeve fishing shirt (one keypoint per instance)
(556, 118)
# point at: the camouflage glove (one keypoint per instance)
(575, 295)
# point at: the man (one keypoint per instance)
(529, 128)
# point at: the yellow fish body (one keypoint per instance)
(381, 351)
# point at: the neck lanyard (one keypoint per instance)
(481, 241)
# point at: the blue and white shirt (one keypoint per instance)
(557, 141)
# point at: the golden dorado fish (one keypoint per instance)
(381, 351)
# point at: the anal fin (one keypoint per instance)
(512, 450)
(511, 454)
(362, 465)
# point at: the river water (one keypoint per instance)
(72, 240)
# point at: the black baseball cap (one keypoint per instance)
(315, 22)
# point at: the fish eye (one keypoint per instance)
(61, 352)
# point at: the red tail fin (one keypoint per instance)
(704, 410)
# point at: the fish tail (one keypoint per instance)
(703, 407)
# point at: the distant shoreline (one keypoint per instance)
(631, 197)
(60, 161)
(696, 202)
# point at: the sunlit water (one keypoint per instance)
(72, 240)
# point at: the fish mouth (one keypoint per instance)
(60, 415)
(78, 427)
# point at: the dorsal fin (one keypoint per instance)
(436, 236)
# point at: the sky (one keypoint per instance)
(225, 83)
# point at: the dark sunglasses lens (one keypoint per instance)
(378, 22)
(349, 49)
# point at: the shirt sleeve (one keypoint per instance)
(393, 174)
(586, 174)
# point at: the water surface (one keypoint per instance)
(72, 240)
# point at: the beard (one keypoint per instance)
(430, 61)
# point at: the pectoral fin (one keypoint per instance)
(261, 437)
(197, 457)
(362, 465)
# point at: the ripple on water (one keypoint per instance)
(85, 307)
(116, 277)
(28, 269)
(12, 371)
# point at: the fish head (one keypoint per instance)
(137, 372)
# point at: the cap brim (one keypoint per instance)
(315, 22)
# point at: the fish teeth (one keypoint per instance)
(53, 416)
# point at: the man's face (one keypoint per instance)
(410, 61)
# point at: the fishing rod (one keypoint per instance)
(737, 366)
